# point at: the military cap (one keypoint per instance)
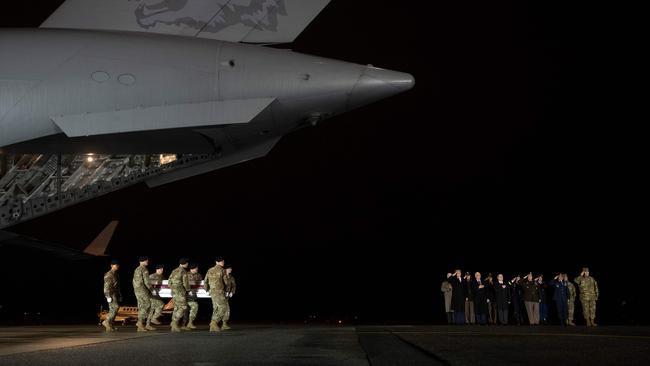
(219, 259)
(228, 266)
(143, 258)
(160, 266)
(585, 269)
(183, 261)
(115, 261)
(194, 265)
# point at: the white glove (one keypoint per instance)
(190, 293)
(109, 299)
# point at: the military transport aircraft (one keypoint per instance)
(109, 93)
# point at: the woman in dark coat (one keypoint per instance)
(469, 299)
(502, 299)
(492, 306)
(479, 290)
(457, 297)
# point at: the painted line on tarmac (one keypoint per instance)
(510, 334)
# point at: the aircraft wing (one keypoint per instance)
(96, 249)
(250, 21)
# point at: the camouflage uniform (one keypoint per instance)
(112, 291)
(588, 296)
(571, 300)
(157, 303)
(215, 285)
(231, 286)
(179, 284)
(192, 300)
(142, 290)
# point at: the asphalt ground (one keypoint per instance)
(327, 345)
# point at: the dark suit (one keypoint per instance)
(457, 299)
(502, 298)
(480, 301)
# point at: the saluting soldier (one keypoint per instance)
(231, 287)
(180, 285)
(142, 290)
(194, 278)
(215, 284)
(113, 294)
(588, 296)
(157, 304)
(571, 300)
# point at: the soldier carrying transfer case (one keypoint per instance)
(179, 284)
(215, 285)
(157, 304)
(231, 287)
(113, 294)
(142, 290)
(588, 295)
(194, 278)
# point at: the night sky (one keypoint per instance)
(506, 156)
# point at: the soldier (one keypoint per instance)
(530, 288)
(157, 304)
(142, 290)
(194, 278)
(113, 294)
(543, 300)
(446, 290)
(215, 285)
(517, 299)
(180, 285)
(571, 300)
(588, 296)
(560, 296)
(231, 287)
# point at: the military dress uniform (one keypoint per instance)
(231, 287)
(588, 297)
(192, 299)
(142, 290)
(112, 292)
(157, 304)
(179, 284)
(571, 301)
(215, 285)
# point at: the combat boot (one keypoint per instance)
(588, 322)
(571, 323)
(593, 323)
(174, 326)
(225, 326)
(141, 327)
(149, 327)
(214, 327)
(191, 325)
(107, 326)
(156, 322)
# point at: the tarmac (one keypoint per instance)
(327, 345)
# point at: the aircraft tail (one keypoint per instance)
(98, 246)
(251, 21)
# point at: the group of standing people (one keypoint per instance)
(219, 283)
(477, 300)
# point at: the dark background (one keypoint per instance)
(509, 155)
